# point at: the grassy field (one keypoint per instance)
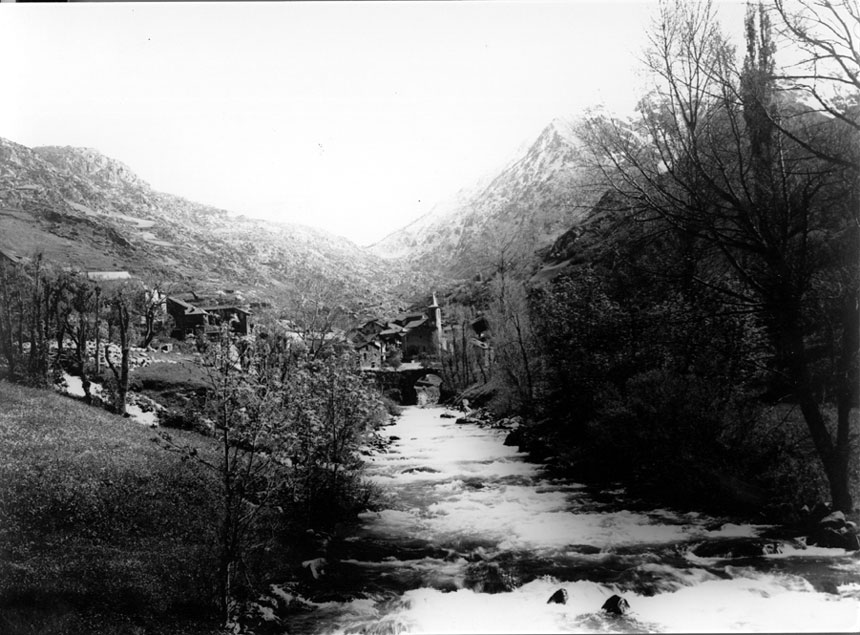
(101, 531)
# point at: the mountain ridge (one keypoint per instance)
(534, 198)
(89, 211)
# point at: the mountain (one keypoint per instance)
(85, 210)
(592, 238)
(524, 208)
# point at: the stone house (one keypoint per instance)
(371, 353)
(237, 317)
(189, 319)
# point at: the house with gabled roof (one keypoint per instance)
(189, 319)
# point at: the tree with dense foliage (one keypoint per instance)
(288, 428)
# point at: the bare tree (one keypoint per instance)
(709, 154)
(150, 307)
(120, 303)
(828, 35)
(81, 322)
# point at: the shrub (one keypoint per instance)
(391, 407)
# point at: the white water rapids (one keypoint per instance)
(458, 499)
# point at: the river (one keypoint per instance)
(475, 539)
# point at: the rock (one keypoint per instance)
(447, 415)
(771, 548)
(559, 597)
(418, 470)
(819, 511)
(489, 577)
(616, 605)
(515, 437)
(836, 520)
(471, 420)
(473, 483)
(587, 550)
(315, 567)
(737, 548)
(830, 538)
(852, 541)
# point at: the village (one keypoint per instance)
(408, 342)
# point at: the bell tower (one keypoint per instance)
(435, 314)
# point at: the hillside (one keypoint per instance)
(524, 208)
(103, 532)
(83, 209)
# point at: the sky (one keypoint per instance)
(355, 118)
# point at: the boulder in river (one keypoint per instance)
(587, 550)
(559, 597)
(515, 437)
(471, 420)
(835, 532)
(852, 541)
(489, 577)
(616, 605)
(737, 548)
(836, 520)
(420, 469)
(819, 511)
(841, 538)
(315, 567)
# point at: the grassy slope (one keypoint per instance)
(101, 531)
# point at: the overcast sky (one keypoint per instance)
(352, 117)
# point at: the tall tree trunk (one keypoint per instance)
(846, 395)
(227, 547)
(98, 330)
(834, 458)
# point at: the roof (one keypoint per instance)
(190, 309)
(225, 307)
(409, 316)
(415, 323)
(108, 275)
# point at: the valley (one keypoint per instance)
(612, 386)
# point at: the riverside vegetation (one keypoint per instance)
(696, 336)
(105, 532)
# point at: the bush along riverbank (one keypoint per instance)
(686, 487)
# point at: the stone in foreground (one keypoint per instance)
(616, 605)
(559, 597)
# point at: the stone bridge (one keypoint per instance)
(411, 386)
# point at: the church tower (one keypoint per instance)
(435, 314)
